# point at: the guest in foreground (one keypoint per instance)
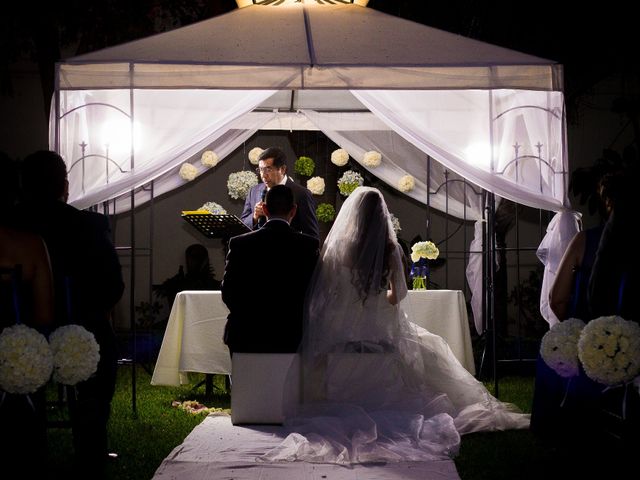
(377, 387)
(87, 285)
(26, 296)
(272, 168)
(265, 279)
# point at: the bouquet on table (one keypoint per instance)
(421, 252)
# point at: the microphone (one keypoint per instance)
(262, 220)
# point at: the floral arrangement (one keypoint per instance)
(75, 354)
(426, 250)
(609, 349)
(239, 183)
(339, 157)
(304, 166)
(213, 207)
(254, 155)
(26, 361)
(326, 212)
(188, 172)
(559, 347)
(406, 183)
(349, 181)
(316, 185)
(395, 223)
(209, 158)
(194, 407)
(372, 159)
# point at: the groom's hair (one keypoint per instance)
(279, 200)
(279, 158)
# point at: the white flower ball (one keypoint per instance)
(26, 360)
(406, 183)
(372, 159)
(559, 347)
(316, 185)
(75, 354)
(209, 158)
(339, 157)
(188, 172)
(254, 154)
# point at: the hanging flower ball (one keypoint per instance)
(239, 184)
(339, 157)
(26, 360)
(326, 212)
(406, 183)
(209, 158)
(316, 185)
(395, 223)
(254, 155)
(304, 166)
(349, 181)
(75, 354)
(188, 172)
(213, 208)
(372, 159)
(559, 347)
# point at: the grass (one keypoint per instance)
(145, 439)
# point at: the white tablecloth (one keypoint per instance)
(193, 339)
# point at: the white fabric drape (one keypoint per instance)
(162, 129)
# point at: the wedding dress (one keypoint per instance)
(375, 386)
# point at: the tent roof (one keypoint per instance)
(308, 46)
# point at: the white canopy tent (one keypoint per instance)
(130, 114)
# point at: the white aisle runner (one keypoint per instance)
(218, 450)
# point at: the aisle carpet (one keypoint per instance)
(217, 450)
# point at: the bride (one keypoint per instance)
(375, 386)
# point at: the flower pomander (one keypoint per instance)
(75, 354)
(304, 166)
(426, 250)
(26, 361)
(559, 347)
(254, 155)
(609, 349)
(406, 183)
(209, 158)
(372, 159)
(214, 208)
(395, 223)
(349, 181)
(316, 185)
(326, 212)
(239, 184)
(188, 172)
(340, 157)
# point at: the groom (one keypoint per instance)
(266, 275)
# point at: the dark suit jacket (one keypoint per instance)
(305, 220)
(266, 275)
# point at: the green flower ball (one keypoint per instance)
(304, 166)
(325, 212)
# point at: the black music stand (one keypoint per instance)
(216, 226)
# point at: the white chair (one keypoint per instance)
(258, 386)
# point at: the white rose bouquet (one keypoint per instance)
(213, 208)
(340, 157)
(75, 354)
(254, 155)
(559, 347)
(26, 360)
(316, 185)
(349, 181)
(609, 349)
(188, 172)
(372, 159)
(426, 250)
(239, 183)
(209, 158)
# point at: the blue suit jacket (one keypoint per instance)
(305, 220)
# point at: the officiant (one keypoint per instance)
(272, 169)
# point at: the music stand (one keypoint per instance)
(215, 226)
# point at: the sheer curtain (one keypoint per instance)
(101, 129)
(509, 142)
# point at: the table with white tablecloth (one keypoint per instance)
(193, 338)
